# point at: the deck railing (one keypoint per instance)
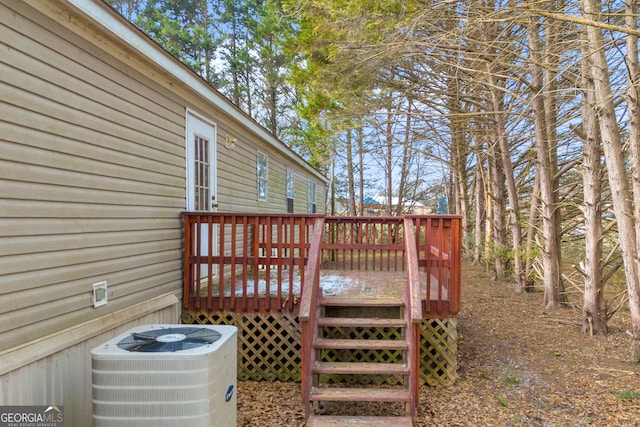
(245, 262)
(256, 262)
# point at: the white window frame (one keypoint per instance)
(290, 187)
(262, 175)
(311, 196)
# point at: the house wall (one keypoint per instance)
(92, 185)
(91, 177)
(237, 176)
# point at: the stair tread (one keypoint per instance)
(363, 368)
(360, 394)
(361, 344)
(363, 322)
(362, 302)
(368, 421)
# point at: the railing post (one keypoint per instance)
(456, 264)
(187, 267)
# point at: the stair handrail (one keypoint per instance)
(413, 311)
(311, 283)
(308, 310)
(413, 275)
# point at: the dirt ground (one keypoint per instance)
(518, 365)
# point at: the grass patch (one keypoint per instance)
(511, 379)
(503, 401)
(630, 395)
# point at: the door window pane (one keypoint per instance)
(263, 175)
(201, 188)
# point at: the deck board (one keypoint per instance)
(378, 285)
(344, 284)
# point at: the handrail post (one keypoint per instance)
(308, 309)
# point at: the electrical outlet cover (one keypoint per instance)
(99, 294)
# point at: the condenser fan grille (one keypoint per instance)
(169, 339)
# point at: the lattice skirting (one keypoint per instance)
(269, 347)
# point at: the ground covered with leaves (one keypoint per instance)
(518, 365)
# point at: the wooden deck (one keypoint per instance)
(344, 285)
(361, 288)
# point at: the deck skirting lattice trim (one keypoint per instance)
(438, 351)
(269, 347)
(268, 344)
(370, 356)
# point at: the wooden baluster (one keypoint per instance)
(234, 236)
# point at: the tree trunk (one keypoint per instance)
(459, 154)
(498, 207)
(554, 47)
(404, 169)
(389, 160)
(489, 213)
(594, 317)
(351, 203)
(531, 233)
(480, 211)
(550, 267)
(361, 171)
(463, 209)
(616, 170)
(633, 101)
(514, 205)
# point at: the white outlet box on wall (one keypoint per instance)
(99, 294)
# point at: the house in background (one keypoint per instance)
(105, 139)
(377, 205)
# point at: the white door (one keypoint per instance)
(201, 178)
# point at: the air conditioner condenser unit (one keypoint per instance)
(166, 376)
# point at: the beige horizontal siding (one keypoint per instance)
(237, 192)
(87, 273)
(84, 70)
(23, 245)
(49, 118)
(107, 209)
(24, 227)
(10, 265)
(120, 282)
(42, 322)
(92, 180)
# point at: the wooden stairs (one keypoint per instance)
(336, 324)
(372, 314)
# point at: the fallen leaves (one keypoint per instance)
(517, 366)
